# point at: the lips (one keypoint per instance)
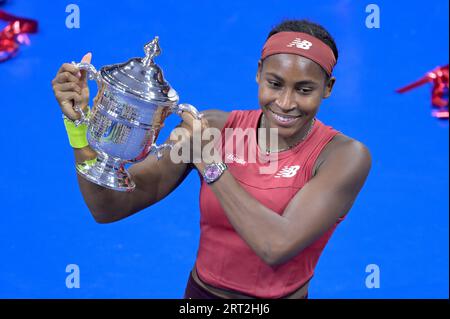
(284, 120)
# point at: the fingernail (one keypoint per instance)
(79, 74)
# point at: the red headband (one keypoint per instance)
(301, 44)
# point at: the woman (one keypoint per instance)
(261, 233)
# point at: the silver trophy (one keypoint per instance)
(129, 110)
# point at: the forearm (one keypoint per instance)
(105, 205)
(263, 229)
(83, 154)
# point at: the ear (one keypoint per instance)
(258, 73)
(329, 87)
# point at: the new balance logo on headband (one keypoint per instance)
(300, 44)
(311, 48)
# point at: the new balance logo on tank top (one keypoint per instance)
(224, 259)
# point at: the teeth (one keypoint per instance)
(284, 119)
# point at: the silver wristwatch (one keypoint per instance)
(213, 171)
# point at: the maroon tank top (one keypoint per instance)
(224, 259)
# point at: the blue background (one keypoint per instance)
(210, 52)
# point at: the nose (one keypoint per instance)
(285, 100)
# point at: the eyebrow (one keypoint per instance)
(299, 82)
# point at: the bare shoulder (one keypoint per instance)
(216, 118)
(343, 148)
(352, 146)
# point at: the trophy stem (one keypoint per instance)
(107, 171)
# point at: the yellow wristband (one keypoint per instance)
(86, 165)
(76, 134)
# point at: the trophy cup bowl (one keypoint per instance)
(132, 102)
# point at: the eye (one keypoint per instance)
(274, 84)
(305, 90)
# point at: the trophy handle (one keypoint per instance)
(177, 109)
(92, 75)
(158, 149)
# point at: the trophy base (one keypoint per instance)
(107, 172)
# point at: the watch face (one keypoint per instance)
(212, 172)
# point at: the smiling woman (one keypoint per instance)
(294, 75)
(260, 238)
(261, 232)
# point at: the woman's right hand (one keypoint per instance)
(70, 88)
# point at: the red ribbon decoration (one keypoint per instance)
(439, 93)
(14, 34)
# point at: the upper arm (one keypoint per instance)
(155, 179)
(326, 197)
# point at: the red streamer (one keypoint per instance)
(14, 34)
(439, 93)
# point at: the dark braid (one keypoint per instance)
(309, 27)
